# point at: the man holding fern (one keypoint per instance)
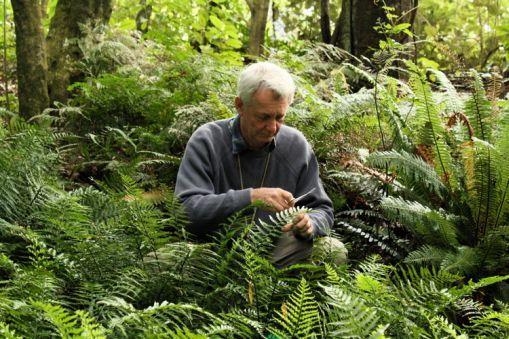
(232, 163)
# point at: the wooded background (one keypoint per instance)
(448, 35)
(404, 103)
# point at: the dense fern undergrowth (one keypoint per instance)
(94, 243)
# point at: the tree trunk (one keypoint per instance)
(259, 12)
(63, 52)
(355, 31)
(325, 21)
(30, 58)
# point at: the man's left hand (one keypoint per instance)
(301, 225)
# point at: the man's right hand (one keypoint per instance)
(275, 199)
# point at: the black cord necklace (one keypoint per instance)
(239, 165)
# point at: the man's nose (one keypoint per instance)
(272, 126)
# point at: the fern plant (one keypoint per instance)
(378, 299)
(299, 317)
(452, 193)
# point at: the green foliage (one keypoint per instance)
(422, 180)
(462, 37)
(25, 160)
(106, 254)
(70, 325)
(112, 261)
(216, 28)
(429, 129)
(450, 191)
(299, 317)
(120, 101)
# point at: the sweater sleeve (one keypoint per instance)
(195, 187)
(322, 215)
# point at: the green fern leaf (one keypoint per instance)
(299, 317)
(450, 97)
(479, 110)
(500, 165)
(7, 333)
(433, 226)
(413, 170)
(426, 254)
(65, 324)
(348, 315)
(432, 134)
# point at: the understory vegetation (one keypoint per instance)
(94, 242)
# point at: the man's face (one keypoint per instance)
(261, 119)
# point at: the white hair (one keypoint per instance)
(265, 75)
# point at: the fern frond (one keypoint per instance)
(450, 97)
(101, 205)
(441, 279)
(178, 266)
(180, 333)
(158, 318)
(359, 213)
(361, 73)
(465, 261)
(243, 324)
(175, 217)
(493, 248)
(260, 237)
(370, 235)
(7, 333)
(158, 159)
(261, 282)
(432, 226)
(479, 110)
(426, 254)
(348, 316)
(333, 278)
(491, 323)
(440, 327)
(27, 163)
(299, 316)
(67, 324)
(499, 163)
(481, 177)
(125, 320)
(467, 289)
(431, 130)
(286, 216)
(420, 294)
(413, 170)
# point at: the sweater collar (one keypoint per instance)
(239, 145)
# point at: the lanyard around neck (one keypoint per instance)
(267, 160)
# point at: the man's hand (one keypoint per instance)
(275, 199)
(301, 225)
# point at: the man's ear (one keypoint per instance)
(239, 104)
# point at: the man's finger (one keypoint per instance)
(287, 227)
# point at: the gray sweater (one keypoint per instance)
(209, 180)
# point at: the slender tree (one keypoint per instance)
(259, 13)
(6, 81)
(325, 21)
(354, 30)
(31, 64)
(67, 26)
(45, 66)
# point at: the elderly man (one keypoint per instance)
(229, 164)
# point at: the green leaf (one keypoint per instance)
(217, 22)
(234, 43)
